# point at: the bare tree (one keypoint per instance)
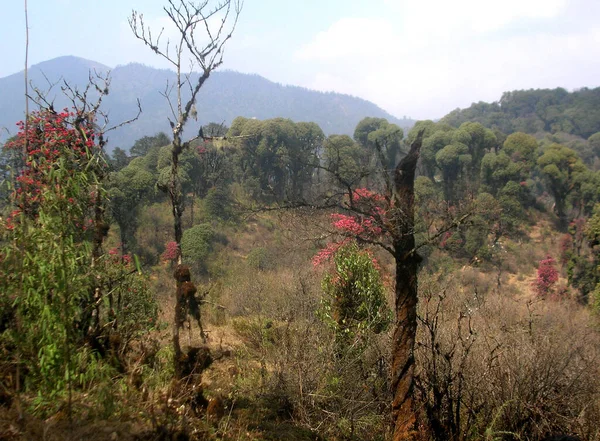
(203, 29)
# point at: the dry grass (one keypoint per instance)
(514, 364)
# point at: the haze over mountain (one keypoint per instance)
(225, 96)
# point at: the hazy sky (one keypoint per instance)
(420, 58)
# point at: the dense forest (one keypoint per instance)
(533, 111)
(264, 280)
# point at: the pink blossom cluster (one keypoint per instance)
(547, 276)
(355, 226)
(368, 195)
(171, 251)
(48, 137)
(327, 253)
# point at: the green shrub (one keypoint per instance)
(355, 302)
(218, 204)
(260, 259)
(196, 245)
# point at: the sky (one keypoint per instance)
(417, 58)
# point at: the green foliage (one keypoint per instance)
(143, 145)
(505, 174)
(453, 160)
(133, 306)
(61, 296)
(154, 231)
(49, 279)
(427, 126)
(218, 204)
(595, 300)
(277, 155)
(486, 227)
(261, 259)
(384, 140)
(431, 146)
(478, 139)
(196, 245)
(344, 159)
(521, 148)
(582, 256)
(587, 191)
(355, 302)
(560, 166)
(594, 142)
(130, 187)
(119, 159)
(531, 111)
(208, 166)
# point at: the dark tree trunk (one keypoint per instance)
(561, 212)
(124, 240)
(175, 194)
(407, 263)
(101, 228)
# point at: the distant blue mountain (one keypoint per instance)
(225, 96)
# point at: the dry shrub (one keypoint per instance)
(494, 367)
(276, 314)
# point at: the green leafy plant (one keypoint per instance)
(355, 303)
(64, 302)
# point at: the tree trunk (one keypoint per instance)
(176, 196)
(407, 263)
(192, 210)
(561, 212)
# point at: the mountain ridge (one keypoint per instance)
(226, 95)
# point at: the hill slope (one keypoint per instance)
(537, 110)
(225, 96)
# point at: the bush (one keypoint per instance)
(492, 365)
(73, 309)
(218, 204)
(196, 245)
(355, 301)
(260, 259)
(547, 276)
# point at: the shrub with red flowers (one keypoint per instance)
(354, 286)
(56, 146)
(367, 218)
(171, 252)
(547, 276)
(355, 302)
(364, 224)
(62, 290)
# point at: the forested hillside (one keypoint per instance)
(526, 241)
(267, 278)
(226, 96)
(541, 110)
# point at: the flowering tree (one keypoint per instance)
(387, 219)
(547, 276)
(49, 142)
(52, 300)
(47, 252)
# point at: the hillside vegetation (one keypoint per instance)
(539, 110)
(276, 264)
(296, 330)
